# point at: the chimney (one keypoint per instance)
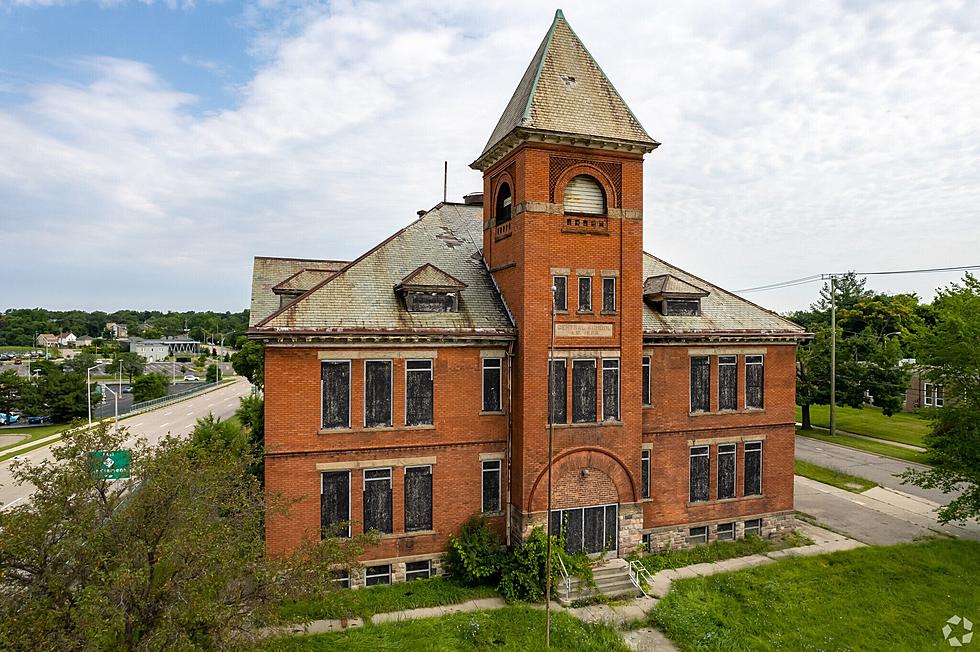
(473, 199)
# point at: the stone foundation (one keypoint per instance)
(357, 575)
(674, 537)
(630, 526)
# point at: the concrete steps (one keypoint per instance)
(612, 579)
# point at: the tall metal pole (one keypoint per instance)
(833, 355)
(551, 438)
(445, 180)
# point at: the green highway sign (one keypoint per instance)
(110, 465)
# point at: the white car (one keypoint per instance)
(191, 377)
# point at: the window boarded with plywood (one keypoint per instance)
(583, 390)
(559, 410)
(700, 383)
(418, 498)
(726, 471)
(335, 503)
(753, 468)
(377, 393)
(754, 381)
(335, 387)
(727, 382)
(377, 500)
(610, 389)
(418, 392)
(700, 474)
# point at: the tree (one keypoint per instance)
(251, 414)
(80, 364)
(64, 396)
(949, 351)
(249, 361)
(160, 560)
(149, 386)
(849, 289)
(211, 375)
(11, 390)
(132, 365)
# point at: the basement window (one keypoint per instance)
(341, 578)
(377, 393)
(726, 532)
(374, 575)
(335, 503)
(726, 471)
(418, 392)
(335, 393)
(377, 500)
(583, 390)
(753, 527)
(491, 486)
(700, 470)
(697, 535)
(418, 570)
(418, 498)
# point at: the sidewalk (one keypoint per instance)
(890, 442)
(647, 638)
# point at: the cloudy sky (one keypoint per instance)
(149, 150)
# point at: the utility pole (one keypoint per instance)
(445, 180)
(551, 439)
(833, 355)
(88, 390)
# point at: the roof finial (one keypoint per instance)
(558, 14)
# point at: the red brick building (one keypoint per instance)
(408, 390)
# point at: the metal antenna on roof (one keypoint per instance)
(445, 179)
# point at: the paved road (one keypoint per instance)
(865, 465)
(176, 419)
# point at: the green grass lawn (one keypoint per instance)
(894, 598)
(718, 550)
(16, 349)
(833, 477)
(33, 434)
(903, 427)
(433, 592)
(880, 448)
(517, 629)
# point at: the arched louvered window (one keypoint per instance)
(583, 194)
(503, 204)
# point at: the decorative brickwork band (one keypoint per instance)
(558, 165)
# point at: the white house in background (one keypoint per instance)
(67, 339)
(151, 350)
(47, 339)
(84, 340)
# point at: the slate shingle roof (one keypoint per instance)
(721, 311)
(564, 90)
(362, 297)
(268, 271)
(304, 280)
(670, 285)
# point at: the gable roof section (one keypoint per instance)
(565, 91)
(360, 298)
(430, 276)
(303, 280)
(268, 271)
(722, 312)
(668, 285)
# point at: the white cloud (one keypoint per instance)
(797, 139)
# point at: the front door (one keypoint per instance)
(592, 529)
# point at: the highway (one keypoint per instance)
(176, 419)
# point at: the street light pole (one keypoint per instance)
(833, 355)
(551, 437)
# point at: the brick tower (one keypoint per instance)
(563, 182)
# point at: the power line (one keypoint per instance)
(816, 277)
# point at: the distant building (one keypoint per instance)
(150, 350)
(117, 331)
(84, 340)
(47, 339)
(67, 339)
(922, 392)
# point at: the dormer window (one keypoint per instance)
(585, 196)
(504, 200)
(673, 297)
(429, 289)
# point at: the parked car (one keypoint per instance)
(128, 389)
(36, 420)
(191, 377)
(8, 419)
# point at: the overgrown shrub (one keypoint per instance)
(475, 556)
(524, 572)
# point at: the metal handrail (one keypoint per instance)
(566, 580)
(639, 575)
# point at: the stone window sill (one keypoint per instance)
(403, 535)
(492, 413)
(609, 312)
(585, 312)
(718, 501)
(725, 412)
(337, 431)
(590, 424)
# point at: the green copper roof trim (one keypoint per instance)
(544, 55)
(601, 72)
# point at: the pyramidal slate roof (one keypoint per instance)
(670, 285)
(565, 91)
(430, 276)
(722, 312)
(442, 246)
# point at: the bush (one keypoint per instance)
(524, 573)
(475, 556)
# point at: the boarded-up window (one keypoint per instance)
(645, 473)
(491, 486)
(610, 389)
(377, 500)
(583, 194)
(682, 307)
(560, 285)
(728, 382)
(753, 468)
(609, 294)
(700, 470)
(700, 383)
(418, 392)
(418, 498)
(377, 393)
(432, 301)
(335, 387)
(491, 384)
(335, 503)
(754, 381)
(583, 390)
(647, 398)
(726, 471)
(585, 294)
(559, 411)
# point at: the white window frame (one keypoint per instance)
(729, 536)
(733, 363)
(734, 453)
(391, 392)
(932, 394)
(754, 529)
(554, 285)
(602, 388)
(405, 389)
(349, 497)
(691, 455)
(483, 384)
(697, 539)
(745, 390)
(579, 299)
(367, 574)
(432, 500)
(391, 487)
(647, 368)
(428, 570)
(350, 382)
(483, 471)
(761, 465)
(615, 305)
(646, 461)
